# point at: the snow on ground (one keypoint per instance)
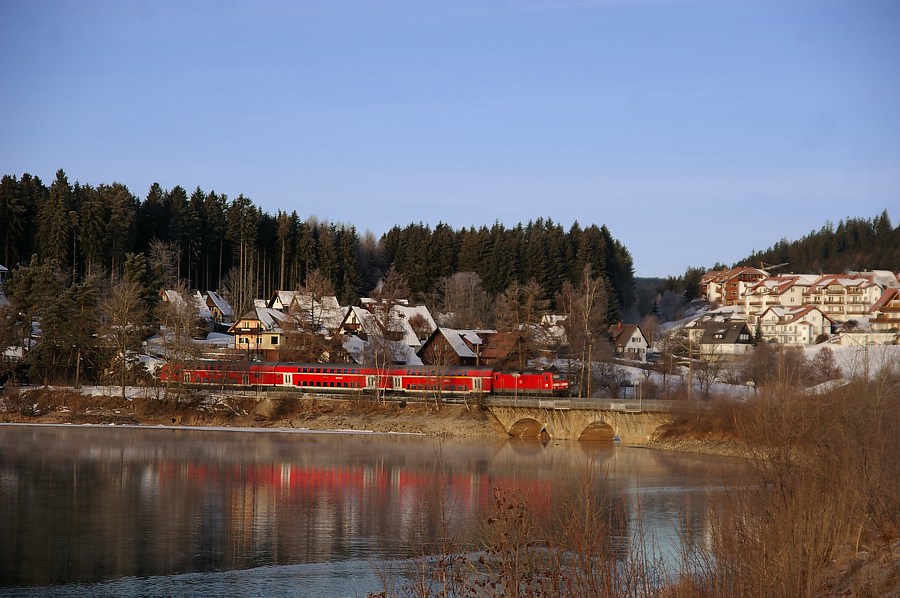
(854, 361)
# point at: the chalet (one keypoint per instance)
(453, 347)
(259, 332)
(504, 350)
(795, 325)
(221, 310)
(197, 303)
(412, 325)
(728, 340)
(884, 315)
(323, 315)
(696, 328)
(629, 341)
(282, 300)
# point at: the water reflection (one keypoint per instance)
(92, 504)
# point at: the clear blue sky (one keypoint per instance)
(697, 131)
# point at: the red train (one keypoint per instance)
(341, 377)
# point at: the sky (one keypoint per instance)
(697, 131)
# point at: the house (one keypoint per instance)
(324, 315)
(505, 350)
(844, 296)
(4, 274)
(728, 340)
(282, 300)
(794, 325)
(366, 333)
(412, 325)
(696, 327)
(884, 315)
(629, 341)
(221, 310)
(198, 303)
(259, 332)
(727, 287)
(787, 290)
(453, 347)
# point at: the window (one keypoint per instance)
(274, 340)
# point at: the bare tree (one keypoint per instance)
(650, 328)
(238, 290)
(585, 307)
(465, 301)
(165, 259)
(123, 312)
(384, 342)
(710, 369)
(178, 318)
(666, 365)
(307, 337)
(823, 367)
(519, 309)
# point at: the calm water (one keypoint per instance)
(111, 511)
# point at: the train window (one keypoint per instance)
(331, 384)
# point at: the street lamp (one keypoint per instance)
(516, 391)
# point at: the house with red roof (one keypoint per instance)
(884, 315)
(801, 325)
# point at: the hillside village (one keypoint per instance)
(738, 309)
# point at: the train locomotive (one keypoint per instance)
(352, 378)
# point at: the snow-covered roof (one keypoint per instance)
(463, 342)
(792, 315)
(356, 349)
(172, 296)
(202, 309)
(326, 311)
(220, 303)
(270, 319)
(397, 321)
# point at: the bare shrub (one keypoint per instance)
(575, 542)
(823, 483)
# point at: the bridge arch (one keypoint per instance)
(528, 427)
(598, 431)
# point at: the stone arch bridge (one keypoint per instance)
(633, 422)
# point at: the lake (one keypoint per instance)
(113, 511)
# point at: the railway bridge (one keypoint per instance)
(633, 422)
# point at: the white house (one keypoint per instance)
(787, 290)
(725, 339)
(629, 341)
(794, 325)
(844, 296)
